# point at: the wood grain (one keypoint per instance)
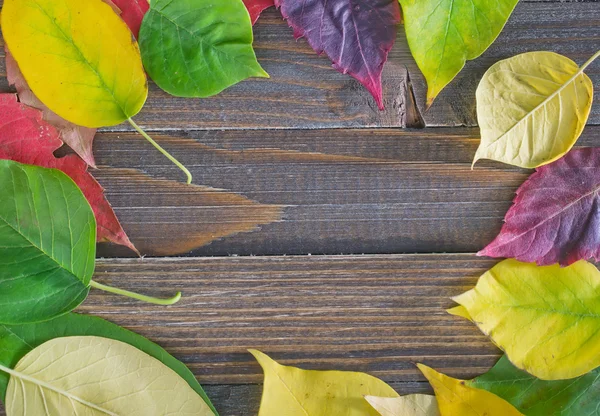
(305, 92)
(340, 191)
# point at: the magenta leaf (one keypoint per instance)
(256, 7)
(357, 35)
(555, 217)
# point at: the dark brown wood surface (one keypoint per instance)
(304, 164)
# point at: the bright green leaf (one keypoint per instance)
(532, 108)
(290, 391)
(535, 397)
(546, 319)
(47, 243)
(197, 48)
(18, 340)
(444, 34)
(97, 376)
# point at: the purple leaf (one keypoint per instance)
(357, 35)
(555, 217)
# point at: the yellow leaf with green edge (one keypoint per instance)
(532, 108)
(454, 398)
(444, 34)
(291, 391)
(410, 405)
(94, 376)
(78, 57)
(546, 319)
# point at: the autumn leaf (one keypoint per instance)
(554, 218)
(443, 35)
(197, 48)
(546, 318)
(132, 12)
(357, 36)
(256, 7)
(410, 405)
(26, 138)
(532, 108)
(290, 391)
(18, 340)
(79, 59)
(78, 138)
(535, 397)
(97, 376)
(455, 397)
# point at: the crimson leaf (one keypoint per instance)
(256, 7)
(357, 35)
(555, 217)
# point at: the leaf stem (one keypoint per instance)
(163, 151)
(592, 59)
(133, 295)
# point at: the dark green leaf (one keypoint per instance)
(533, 397)
(47, 244)
(17, 341)
(197, 48)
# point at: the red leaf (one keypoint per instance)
(256, 7)
(357, 35)
(132, 12)
(555, 217)
(78, 138)
(26, 138)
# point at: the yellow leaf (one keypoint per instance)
(97, 376)
(456, 399)
(532, 108)
(411, 405)
(78, 58)
(290, 391)
(546, 319)
(460, 311)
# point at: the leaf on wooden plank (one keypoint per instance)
(546, 319)
(97, 376)
(256, 7)
(455, 397)
(78, 138)
(444, 35)
(188, 54)
(554, 218)
(317, 393)
(48, 235)
(535, 397)
(26, 138)
(85, 69)
(357, 36)
(203, 215)
(132, 12)
(410, 405)
(18, 340)
(532, 108)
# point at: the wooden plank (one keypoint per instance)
(337, 191)
(305, 92)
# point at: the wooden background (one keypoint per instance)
(322, 231)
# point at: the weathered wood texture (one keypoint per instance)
(378, 314)
(337, 191)
(305, 92)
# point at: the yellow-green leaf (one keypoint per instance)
(546, 319)
(456, 399)
(411, 405)
(290, 391)
(444, 34)
(97, 376)
(78, 57)
(532, 108)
